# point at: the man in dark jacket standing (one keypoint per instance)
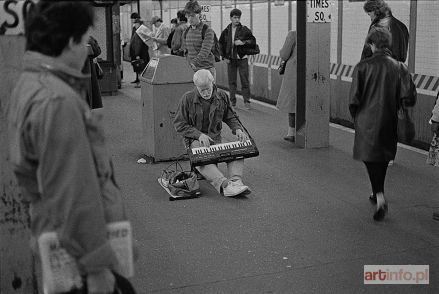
(234, 41)
(138, 48)
(381, 16)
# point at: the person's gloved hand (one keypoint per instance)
(102, 282)
(205, 140)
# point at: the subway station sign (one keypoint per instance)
(205, 14)
(13, 14)
(319, 11)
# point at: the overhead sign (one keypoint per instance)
(205, 14)
(319, 11)
(12, 16)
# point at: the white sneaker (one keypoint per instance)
(234, 188)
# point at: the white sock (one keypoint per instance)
(380, 199)
(291, 131)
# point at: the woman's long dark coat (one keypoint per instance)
(94, 98)
(380, 85)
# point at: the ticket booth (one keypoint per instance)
(163, 83)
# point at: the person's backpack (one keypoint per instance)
(215, 48)
(169, 40)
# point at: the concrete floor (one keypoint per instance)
(306, 228)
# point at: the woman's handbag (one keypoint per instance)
(178, 183)
(281, 68)
(99, 71)
(138, 65)
(248, 49)
(406, 128)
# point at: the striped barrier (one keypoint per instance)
(426, 84)
(263, 60)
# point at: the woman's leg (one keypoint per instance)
(291, 124)
(377, 175)
(211, 172)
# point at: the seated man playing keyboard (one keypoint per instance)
(199, 120)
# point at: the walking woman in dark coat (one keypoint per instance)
(380, 85)
(94, 98)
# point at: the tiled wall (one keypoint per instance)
(279, 26)
(260, 25)
(427, 38)
(334, 30)
(99, 31)
(355, 26)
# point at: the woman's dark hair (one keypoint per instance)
(181, 15)
(380, 37)
(192, 7)
(379, 7)
(51, 24)
(174, 20)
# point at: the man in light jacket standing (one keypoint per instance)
(57, 146)
(160, 37)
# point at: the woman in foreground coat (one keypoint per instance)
(380, 85)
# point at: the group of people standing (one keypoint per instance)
(374, 108)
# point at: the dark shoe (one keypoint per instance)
(373, 199)
(381, 212)
(135, 82)
(291, 139)
(436, 216)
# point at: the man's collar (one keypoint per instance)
(198, 25)
(37, 62)
(237, 26)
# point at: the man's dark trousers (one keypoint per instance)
(232, 67)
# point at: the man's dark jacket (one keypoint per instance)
(242, 33)
(400, 37)
(189, 118)
(138, 48)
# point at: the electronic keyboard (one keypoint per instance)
(223, 152)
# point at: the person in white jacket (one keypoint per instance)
(160, 36)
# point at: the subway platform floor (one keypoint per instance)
(306, 228)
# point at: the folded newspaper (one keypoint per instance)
(60, 271)
(145, 34)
